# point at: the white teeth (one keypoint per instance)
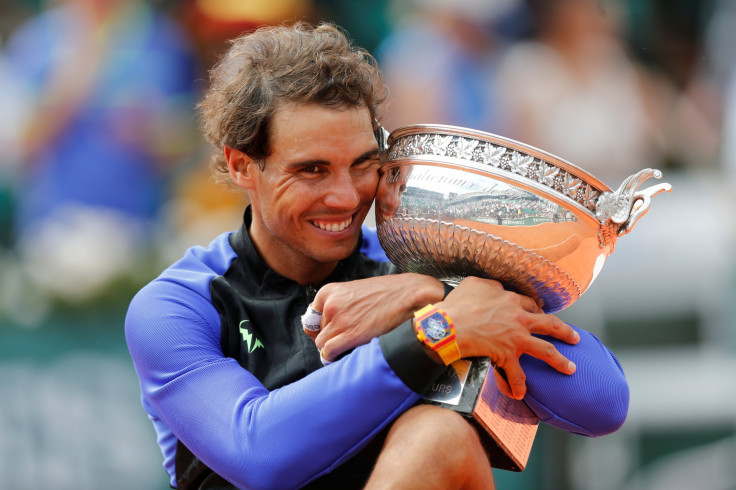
(334, 226)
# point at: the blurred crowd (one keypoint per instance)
(104, 176)
(104, 181)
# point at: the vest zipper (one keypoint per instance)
(311, 293)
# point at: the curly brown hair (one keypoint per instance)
(276, 64)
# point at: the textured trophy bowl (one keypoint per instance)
(454, 202)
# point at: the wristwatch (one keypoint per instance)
(435, 330)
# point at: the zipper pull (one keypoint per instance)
(311, 293)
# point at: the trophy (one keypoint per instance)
(454, 202)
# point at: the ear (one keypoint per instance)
(241, 167)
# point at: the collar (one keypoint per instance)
(261, 273)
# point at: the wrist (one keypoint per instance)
(427, 290)
(409, 359)
(434, 328)
(427, 350)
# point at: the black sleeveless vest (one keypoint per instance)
(250, 295)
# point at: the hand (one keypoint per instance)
(355, 312)
(498, 324)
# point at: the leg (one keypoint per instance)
(431, 447)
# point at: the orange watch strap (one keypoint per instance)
(449, 353)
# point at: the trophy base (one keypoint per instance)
(507, 427)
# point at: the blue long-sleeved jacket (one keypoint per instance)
(275, 418)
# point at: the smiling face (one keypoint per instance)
(314, 190)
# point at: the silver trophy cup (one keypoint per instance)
(454, 202)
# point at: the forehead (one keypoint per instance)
(302, 129)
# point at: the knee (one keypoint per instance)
(443, 437)
(444, 431)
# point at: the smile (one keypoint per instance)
(333, 226)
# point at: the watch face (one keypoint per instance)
(435, 327)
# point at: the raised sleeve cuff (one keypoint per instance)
(409, 359)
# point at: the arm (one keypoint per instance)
(354, 312)
(592, 402)
(589, 397)
(490, 321)
(501, 325)
(370, 246)
(253, 437)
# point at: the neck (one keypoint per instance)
(287, 262)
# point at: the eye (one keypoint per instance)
(310, 169)
(367, 163)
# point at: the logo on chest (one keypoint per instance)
(252, 343)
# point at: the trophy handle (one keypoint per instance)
(621, 209)
(642, 203)
(382, 137)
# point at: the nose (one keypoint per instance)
(342, 192)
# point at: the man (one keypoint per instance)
(236, 390)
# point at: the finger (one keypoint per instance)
(312, 320)
(329, 330)
(318, 302)
(323, 358)
(323, 335)
(547, 352)
(516, 379)
(488, 282)
(554, 327)
(503, 386)
(332, 348)
(337, 345)
(529, 304)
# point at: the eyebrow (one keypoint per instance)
(365, 156)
